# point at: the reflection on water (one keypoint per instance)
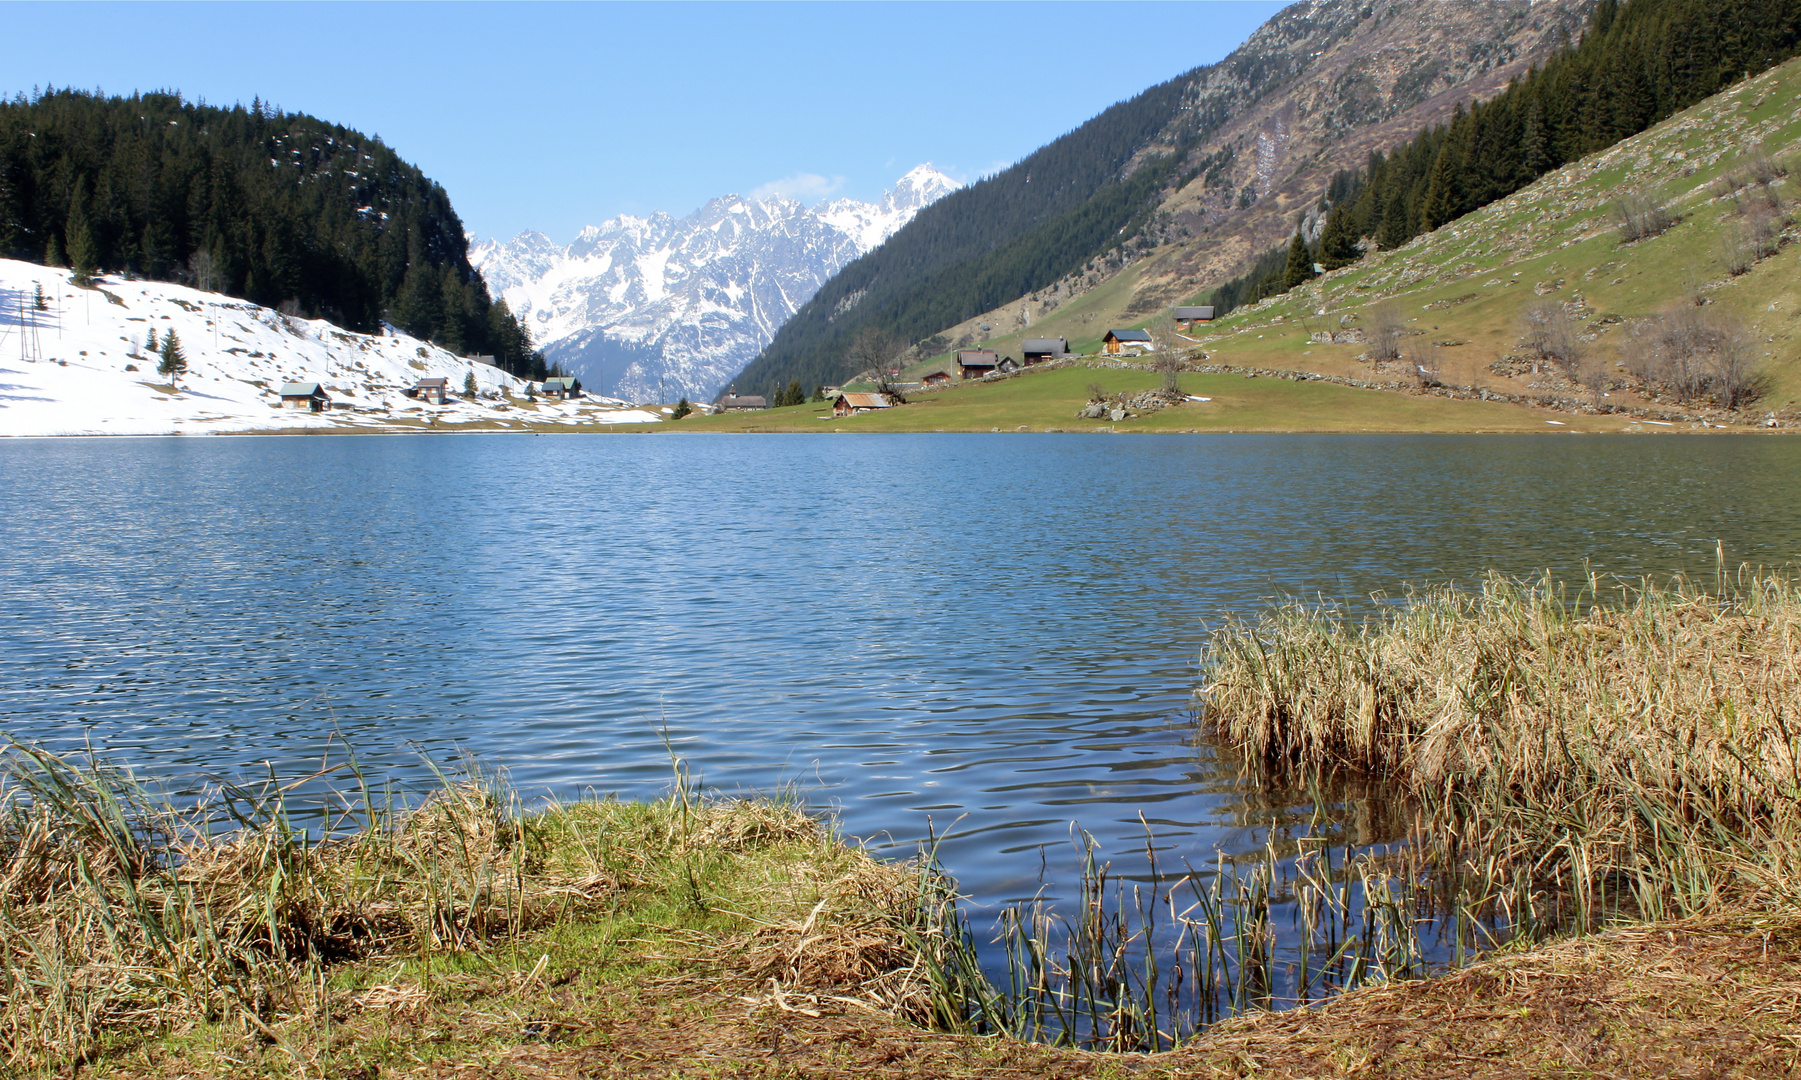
(992, 636)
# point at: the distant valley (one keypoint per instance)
(654, 308)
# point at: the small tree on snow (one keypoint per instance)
(150, 341)
(173, 362)
(469, 384)
(38, 300)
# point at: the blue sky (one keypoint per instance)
(553, 116)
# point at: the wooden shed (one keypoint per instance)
(940, 376)
(1121, 341)
(305, 395)
(1039, 349)
(1187, 316)
(851, 404)
(432, 390)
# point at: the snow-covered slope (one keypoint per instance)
(66, 369)
(651, 308)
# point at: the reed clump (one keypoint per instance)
(126, 915)
(1616, 750)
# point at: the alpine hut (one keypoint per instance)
(1121, 341)
(1187, 316)
(1039, 349)
(305, 395)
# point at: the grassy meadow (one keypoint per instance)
(1049, 401)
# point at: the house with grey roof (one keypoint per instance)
(1187, 316)
(309, 396)
(431, 390)
(563, 387)
(1039, 349)
(1118, 342)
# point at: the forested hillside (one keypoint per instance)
(278, 208)
(1095, 193)
(1639, 63)
(992, 240)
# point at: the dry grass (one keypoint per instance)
(124, 919)
(1628, 746)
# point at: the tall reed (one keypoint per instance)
(1635, 746)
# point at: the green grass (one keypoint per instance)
(1556, 240)
(1050, 400)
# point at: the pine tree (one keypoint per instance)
(819, 393)
(53, 254)
(150, 341)
(1300, 264)
(37, 300)
(1535, 144)
(82, 252)
(1395, 226)
(1337, 245)
(174, 363)
(682, 408)
(469, 388)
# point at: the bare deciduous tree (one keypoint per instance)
(1553, 336)
(203, 271)
(1385, 329)
(1422, 359)
(1641, 215)
(1695, 354)
(873, 354)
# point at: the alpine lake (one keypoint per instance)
(991, 640)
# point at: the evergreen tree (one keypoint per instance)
(1535, 145)
(1300, 264)
(83, 254)
(1395, 224)
(682, 408)
(150, 341)
(1337, 243)
(174, 362)
(53, 253)
(469, 387)
(819, 393)
(37, 299)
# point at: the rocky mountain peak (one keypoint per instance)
(650, 308)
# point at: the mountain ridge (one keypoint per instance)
(656, 306)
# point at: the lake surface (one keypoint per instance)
(992, 636)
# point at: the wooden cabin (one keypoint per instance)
(936, 377)
(1038, 350)
(851, 404)
(434, 391)
(1118, 342)
(743, 402)
(1187, 316)
(975, 363)
(563, 387)
(310, 396)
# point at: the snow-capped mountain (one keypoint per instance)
(652, 308)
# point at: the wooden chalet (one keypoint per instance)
(563, 387)
(1039, 349)
(852, 404)
(975, 363)
(435, 391)
(310, 396)
(1121, 341)
(936, 377)
(1187, 316)
(736, 402)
